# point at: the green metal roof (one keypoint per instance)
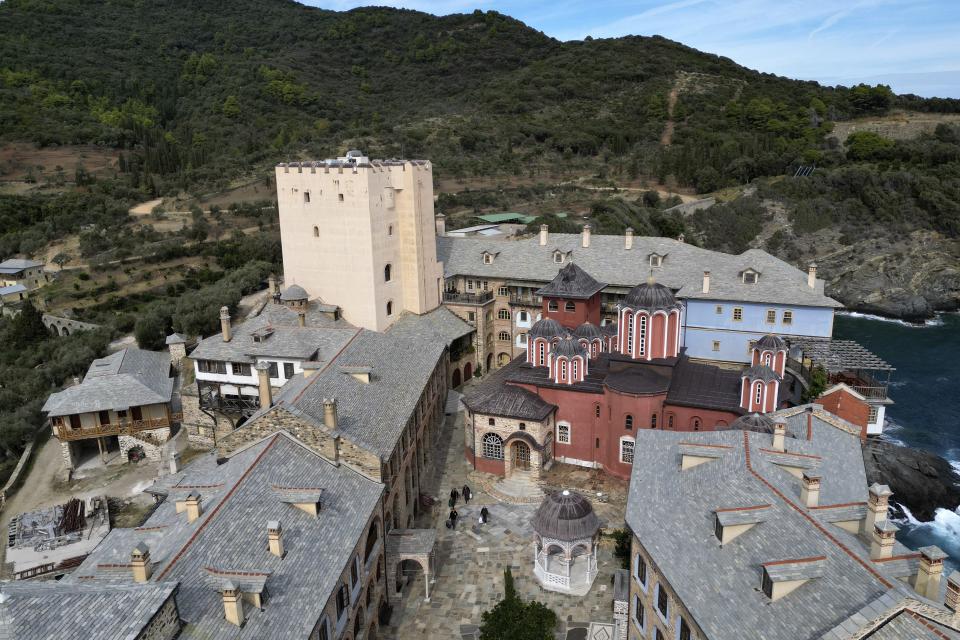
(497, 218)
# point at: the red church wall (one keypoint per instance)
(485, 464)
(771, 397)
(780, 362)
(657, 334)
(684, 418)
(847, 406)
(672, 334)
(584, 311)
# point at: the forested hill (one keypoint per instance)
(201, 90)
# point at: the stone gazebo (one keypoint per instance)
(567, 532)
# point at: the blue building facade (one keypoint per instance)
(723, 330)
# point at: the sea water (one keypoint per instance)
(926, 409)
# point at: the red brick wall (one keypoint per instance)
(584, 311)
(845, 405)
(485, 464)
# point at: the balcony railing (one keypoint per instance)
(871, 393)
(529, 301)
(66, 432)
(468, 298)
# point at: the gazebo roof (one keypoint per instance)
(839, 355)
(567, 516)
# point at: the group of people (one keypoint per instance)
(466, 494)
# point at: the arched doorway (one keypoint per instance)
(521, 456)
(456, 378)
(65, 331)
(503, 359)
(409, 573)
(489, 362)
(467, 371)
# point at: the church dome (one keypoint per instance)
(772, 343)
(651, 296)
(567, 516)
(760, 372)
(588, 331)
(293, 292)
(547, 328)
(569, 347)
(751, 422)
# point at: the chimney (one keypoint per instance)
(272, 284)
(544, 231)
(275, 538)
(232, 603)
(192, 504)
(706, 282)
(812, 275)
(140, 563)
(263, 383)
(877, 503)
(309, 368)
(628, 239)
(681, 238)
(881, 547)
(441, 221)
(302, 318)
(809, 411)
(585, 237)
(953, 594)
(225, 323)
(927, 583)
(174, 462)
(330, 413)
(810, 490)
(779, 435)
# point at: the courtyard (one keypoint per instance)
(471, 559)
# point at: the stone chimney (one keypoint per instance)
(706, 282)
(585, 236)
(272, 288)
(779, 435)
(681, 238)
(809, 413)
(544, 232)
(140, 563)
(927, 583)
(877, 503)
(174, 462)
(952, 601)
(225, 324)
(263, 384)
(194, 509)
(881, 547)
(302, 318)
(330, 413)
(628, 239)
(275, 538)
(812, 275)
(232, 603)
(810, 490)
(441, 221)
(310, 368)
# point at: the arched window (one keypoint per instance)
(552, 306)
(563, 433)
(570, 307)
(576, 369)
(696, 424)
(653, 421)
(670, 421)
(642, 337)
(503, 314)
(759, 393)
(626, 450)
(492, 447)
(522, 316)
(563, 369)
(629, 333)
(316, 231)
(387, 273)
(541, 349)
(767, 358)
(503, 336)
(389, 307)
(306, 196)
(628, 422)
(390, 230)
(596, 410)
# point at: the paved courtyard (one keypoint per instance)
(470, 565)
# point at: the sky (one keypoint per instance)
(912, 45)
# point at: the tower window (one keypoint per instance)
(316, 231)
(306, 196)
(390, 230)
(553, 306)
(570, 307)
(340, 197)
(628, 422)
(503, 314)
(390, 307)
(387, 273)
(503, 336)
(759, 394)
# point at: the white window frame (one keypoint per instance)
(656, 605)
(469, 285)
(788, 317)
(487, 258)
(633, 445)
(639, 607)
(483, 444)
(561, 426)
(737, 311)
(759, 394)
(637, 559)
(716, 345)
(563, 369)
(522, 338)
(642, 336)
(574, 370)
(503, 291)
(771, 313)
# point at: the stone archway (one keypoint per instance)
(520, 455)
(456, 378)
(467, 371)
(503, 359)
(489, 362)
(410, 552)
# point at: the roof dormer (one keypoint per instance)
(656, 259)
(558, 256)
(731, 522)
(489, 256)
(780, 577)
(750, 276)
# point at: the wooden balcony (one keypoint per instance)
(65, 433)
(456, 297)
(525, 301)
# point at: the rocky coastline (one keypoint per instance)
(921, 481)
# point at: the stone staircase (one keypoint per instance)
(519, 488)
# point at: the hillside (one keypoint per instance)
(142, 99)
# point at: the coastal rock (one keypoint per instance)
(920, 480)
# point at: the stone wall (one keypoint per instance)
(69, 457)
(542, 432)
(165, 624)
(202, 430)
(152, 450)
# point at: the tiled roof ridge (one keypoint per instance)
(904, 556)
(706, 444)
(790, 453)
(196, 486)
(316, 375)
(774, 563)
(838, 506)
(758, 506)
(925, 622)
(216, 509)
(749, 465)
(283, 488)
(237, 572)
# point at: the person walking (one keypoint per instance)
(467, 494)
(484, 513)
(454, 494)
(453, 518)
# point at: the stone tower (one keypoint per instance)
(360, 234)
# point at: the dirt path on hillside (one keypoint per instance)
(667, 138)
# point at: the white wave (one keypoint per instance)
(943, 530)
(956, 465)
(908, 517)
(935, 321)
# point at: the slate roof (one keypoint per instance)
(651, 296)
(16, 265)
(294, 292)
(401, 361)
(230, 536)
(128, 378)
(546, 328)
(695, 384)
(572, 283)
(672, 513)
(771, 341)
(13, 288)
(54, 609)
(175, 338)
(608, 260)
(756, 422)
(588, 331)
(760, 372)
(569, 347)
(565, 515)
(508, 401)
